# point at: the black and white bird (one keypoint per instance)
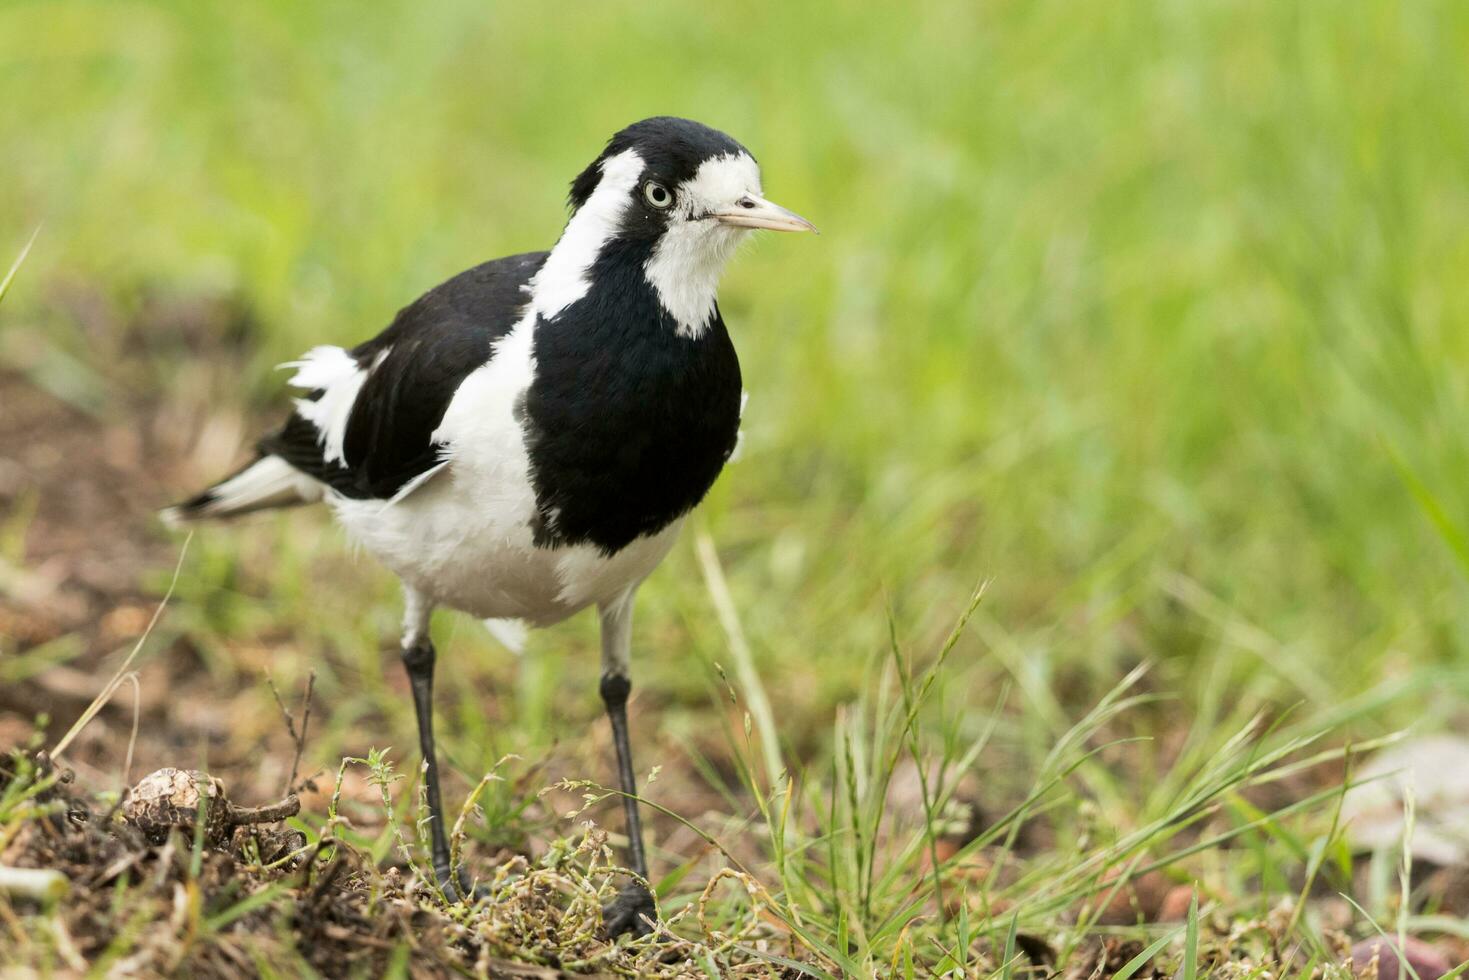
(525, 440)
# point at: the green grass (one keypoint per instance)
(1151, 315)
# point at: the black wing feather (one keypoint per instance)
(431, 346)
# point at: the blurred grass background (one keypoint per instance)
(1154, 314)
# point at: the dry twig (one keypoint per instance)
(299, 738)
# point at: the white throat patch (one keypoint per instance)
(692, 253)
(562, 280)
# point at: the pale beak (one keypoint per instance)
(753, 211)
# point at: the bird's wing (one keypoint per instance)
(366, 426)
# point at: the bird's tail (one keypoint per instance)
(267, 483)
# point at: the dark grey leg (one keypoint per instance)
(615, 690)
(633, 910)
(418, 658)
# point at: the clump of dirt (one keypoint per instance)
(173, 799)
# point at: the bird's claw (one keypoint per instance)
(457, 888)
(633, 911)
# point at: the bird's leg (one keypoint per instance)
(633, 910)
(615, 690)
(418, 660)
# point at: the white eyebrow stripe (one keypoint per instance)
(719, 181)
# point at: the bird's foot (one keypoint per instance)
(633, 911)
(457, 888)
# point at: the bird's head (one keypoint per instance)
(676, 196)
(669, 174)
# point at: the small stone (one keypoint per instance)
(1427, 962)
(1137, 900)
(1434, 770)
(1176, 903)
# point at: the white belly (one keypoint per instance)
(482, 564)
(463, 538)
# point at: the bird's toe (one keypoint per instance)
(632, 912)
(458, 888)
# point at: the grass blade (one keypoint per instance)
(15, 266)
(1142, 959)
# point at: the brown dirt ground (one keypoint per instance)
(78, 491)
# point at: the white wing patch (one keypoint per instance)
(335, 373)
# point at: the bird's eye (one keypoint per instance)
(657, 195)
